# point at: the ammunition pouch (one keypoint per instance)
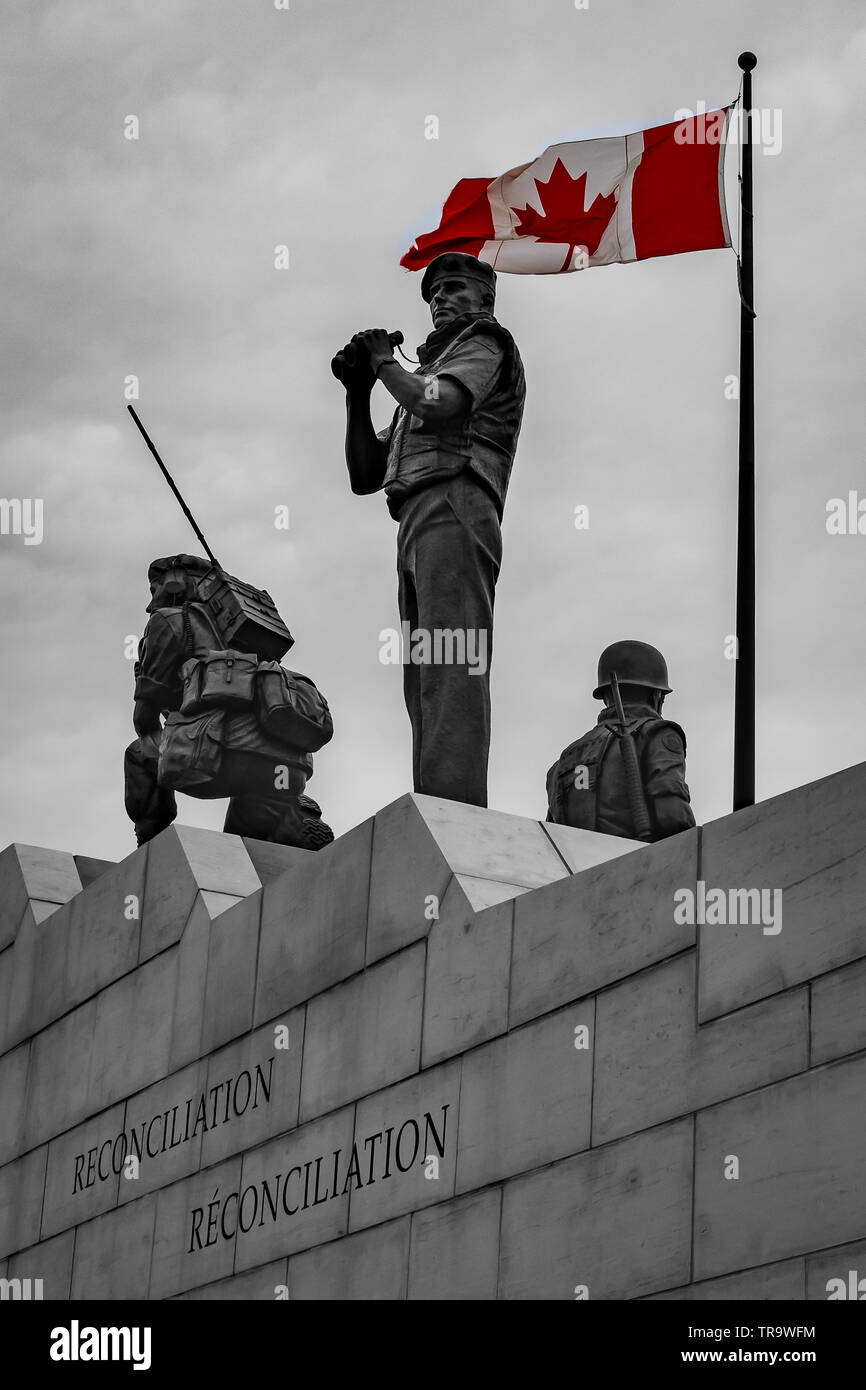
(191, 753)
(289, 708)
(218, 754)
(218, 680)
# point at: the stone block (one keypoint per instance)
(843, 1262)
(251, 1112)
(294, 1177)
(103, 940)
(167, 1122)
(218, 903)
(231, 972)
(371, 1266)
(408, 868)
(455, 1249)
(576, 936)
(80, 1181)
(19, 973)
(801, 1146)
(170, 893)
(616, 1220)
(41, 911)
(51, 1262)
(256, 1285)
(525, 1099)
(481, 893)
(60, 1061)
(581, 849)
(113, 1254)
(272, 861)
(491, 844)
(182, 862)
(468, 974)
(13, 1091)
(91, 869)
(839, 1013)
(186, 1219)
(220, 863)
(808, 843)
(27, 873)
(41, 988)
(653, 1061)
(132, 1032)
(783, 1281)
(90, 942)
(363, 1034)
(191, 955)
(7, 967)
(22, 1185)
(34, 975)
(414, 1120)
(314, 920)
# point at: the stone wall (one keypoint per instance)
(457, 1054)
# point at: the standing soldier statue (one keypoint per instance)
(627, 775)
(444, 463)
(238, 724)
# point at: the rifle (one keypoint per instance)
(634, 782)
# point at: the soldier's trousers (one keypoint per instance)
(285, 819)
(449, 550)
(151, 807)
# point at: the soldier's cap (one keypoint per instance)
(457, 263)
(193, 563)
(635, 663)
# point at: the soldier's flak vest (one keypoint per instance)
(486, 440)
(587, 788)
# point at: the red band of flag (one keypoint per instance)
(658, 192)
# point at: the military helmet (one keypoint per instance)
(175, 577)
(193, 563)
(635, 663)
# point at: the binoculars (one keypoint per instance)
(344, 359)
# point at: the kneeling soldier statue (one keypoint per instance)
(627, 775)
(238, 724)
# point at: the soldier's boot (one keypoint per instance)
(318, 833)
(148, 830)
(288, 820)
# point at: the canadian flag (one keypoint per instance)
(593, 202)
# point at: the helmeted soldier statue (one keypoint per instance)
(236, 725)
(588, 786)
(444, 463)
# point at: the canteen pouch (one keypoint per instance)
(218, 680)
(191, 751)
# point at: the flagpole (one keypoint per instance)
(744, 689)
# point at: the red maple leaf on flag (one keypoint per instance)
(564, 218)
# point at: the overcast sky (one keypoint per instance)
(306, 127)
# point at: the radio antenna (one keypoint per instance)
(168, 478)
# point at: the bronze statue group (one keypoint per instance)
(239, 724)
